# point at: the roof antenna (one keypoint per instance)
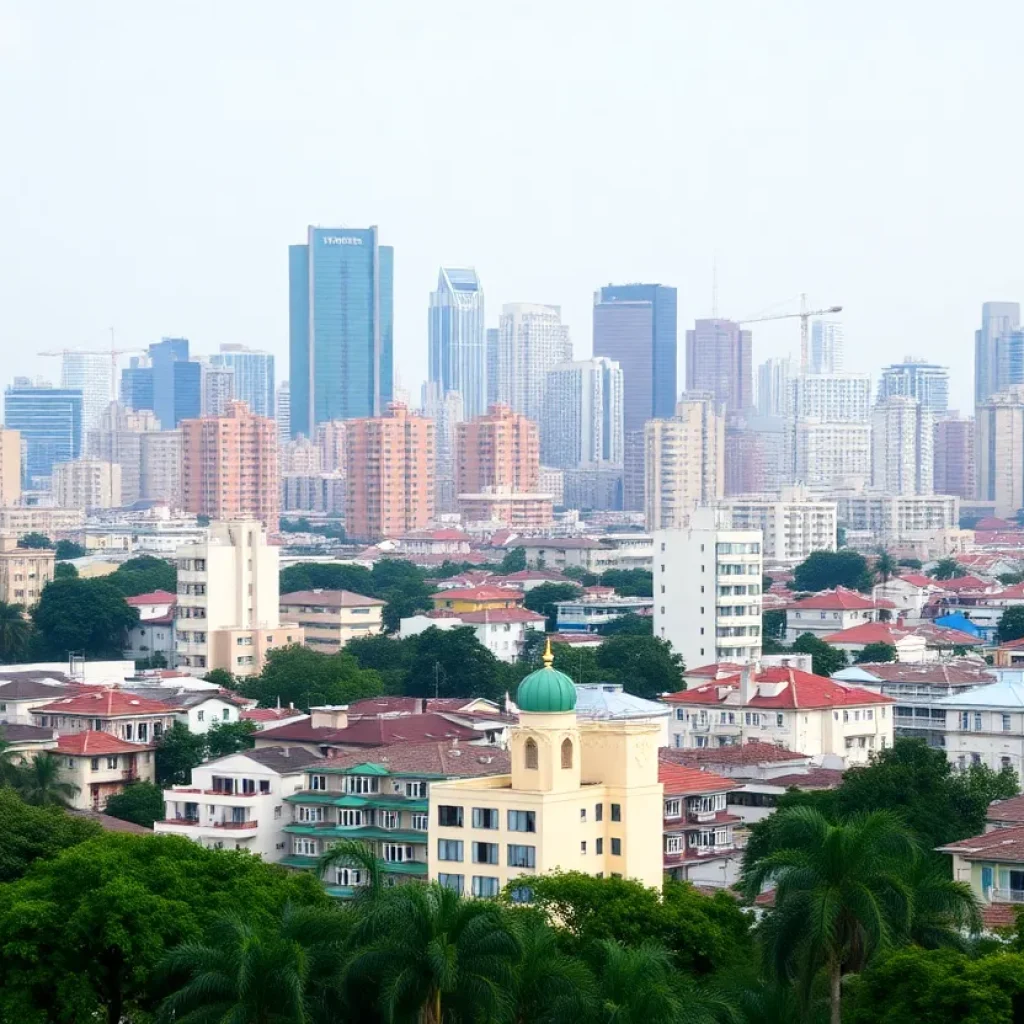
(714, 286)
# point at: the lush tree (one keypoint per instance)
(637, 984)
(942, 911)
(39, 783)
(629, 625)
(910, 563)
(35, 540)
(885, 566)
(514, 560)
(177, 753)
(85, 615)
(1010, 579)
(1011, 624)
(825, 659)
(773, 624)
(840, 537)
(629, 582)
(403, 586)
(143, 575)
(141, 803)
(840, 894)
(225, 738)
(579, 575)
(542, 600)
(221, 677)
(64, 571)
(332, 576)
(15, 631)
(947, 569)
(300, 676)
(452, 663)
(33, 834)
(645, 665)
(67, 549)
(825, 570)
(386, 655)
(874, 653)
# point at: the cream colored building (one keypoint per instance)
(23, 571)
(581, 796)
(228, 601)
(999, 450)
(87, 483)
(160, 467)
(10, 466)
(101, 765)
(330, 618)
(51, 522)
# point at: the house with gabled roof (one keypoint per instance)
(119, 712)
(830, 611)
(100, 765)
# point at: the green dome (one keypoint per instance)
(546, 691)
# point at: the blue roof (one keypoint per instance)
(960, 621)
(1008, 693)
(607, 700)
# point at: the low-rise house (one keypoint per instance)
(23, 742)
(560, 553)
(101, 765)
(1009, 655)
(270, 718)
(985, 725)
(527, 579)
(832, 611)
(477, 599)
(200, 710)
(1007, 813)
(22, 692)
(597, 608)
(237, 802)
(913, 643)
(117, 712)
(503, 631)
(330, 618)
(445, 542)
(154, 633)
(907, 594)
(992, 864)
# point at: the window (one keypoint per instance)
(397, 853)
(522, 856)
(311, 814)
(449, 816)
(616, 812)
(484, 886)
(673, 844)
(388, 819)
(226, 714)
(530, 753)
(1006, 723)
(264, 785)
(361, 784)
(521, 894)
(522, 821)
(869, 715)
(200, 716)
(318, 782)
(977, 721)
(583, 814)
(420, 822)
(416, 790)
(112, 762)
(566, 753)
(780, 720)
(305, 847)
(616, 847)
(453, 882)
(673, 808)
(583, 846)
(485, 817)
(485, 853)
(350, 819)
(598, 812)
(449, 849)
(599, 846)
(94, 764)
(348, 876)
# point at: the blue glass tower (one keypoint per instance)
(341, 326)
(254, 376)
(458, 353)
(137, 386)
(50, 421)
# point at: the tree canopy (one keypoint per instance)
(35, 540)
(542, 600)
(143, 575)
(1011, 624)
(141, 803)
(68, 549)
(947, 569)
(86, 615)
(645, 665)
(826, 570)
(875, 653)
(825, 659)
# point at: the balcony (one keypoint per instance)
(250, 824)
(1006, 895)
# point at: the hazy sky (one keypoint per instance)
(156, 160)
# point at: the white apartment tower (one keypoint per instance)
(283, 413)
(793, 524)
(118, 438)
(826, 346)
(773, 377)
(87, 484)
(583, 410)
(831, 397)
(531, 341)
(707, 590)
(902, 439)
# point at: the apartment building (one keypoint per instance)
(597, 607)
(24, 572)
(793, 525)
(999, 450)
(511, 509)
(330, 618)
(10, 466)
(953, 447)
(902, 452)
(888, 517)
(985, 725)
(100, 766)
(825, 454)
(119, 713)
(87, 484)
(21, 519)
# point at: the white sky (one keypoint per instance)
(157, 159)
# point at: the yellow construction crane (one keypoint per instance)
(804, 315)
(112, 352)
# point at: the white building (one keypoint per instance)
(707, 590)
(551, 481)
(826, 355)
(237, 802)
(501, 630)
(826, 453)
(118, 438)
(283, 413)
(594, 609)
(92, 374)
(154, 632)
(773, 378)
(87, 484)
(218, 389)
(902, 446)
(890, 517)
(583, 414)
(830, 612)
(531, 341)
(793, 525)
(986, 725)
(831, 397)
(927, 382)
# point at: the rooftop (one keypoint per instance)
(888, 633)
(1011, 810)
(438, 759)
(839, 599)
(609, 700)
(154, 597)
(92, 744)
(15, 732)
(105, 703)
(330, 599)
(1005, 694)
(1002, 844)
(752, 753)
(270, 714)
(481, 593)
(960, 671)
(813, 778)
(681, 780)
(497, 616)
(378, 731)
(283, 760)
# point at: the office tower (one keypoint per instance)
(902, 436)
(330, 439)
(927, 382)
(773, 377)
(160, 467)
(458, 352)
(827, 454)
(718, 361)
(446, 411)
(999, 451)
(954, 456)
(188, 391)
(229, 593)
(390, 483)
(826, 347)
(163, 355)
(118, 439)
(499, 451)
(684, 461)
(253, 377)
(341, 317)
(90, 373)
(997, 350)
(583, 414)
(689, 611)
(50, 422)
(10, 467)
(230, 467)
(87, 484)
(218, 384)
(831, 397)
(136, 391)
(531, 340)
(493, 350)
(283, 407)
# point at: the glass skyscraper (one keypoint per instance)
(458, 354)
(50, 421)
(254, 376)
(137, 384)
(341, 326)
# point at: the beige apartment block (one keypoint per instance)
(498, 451)
(999, 451)
(22, 519)
(87, 484)
(10, 466)
(330, 618)
(515, 510)
(23, 571)
(160, 467)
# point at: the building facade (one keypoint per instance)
(160, 468)
(773, 392)
(283, 412)
(793, 525)
(499, 451)
(330, 618)
(23, 571)
(10, 467)
(583, 414)
(218, 383)
(999, 450)
(49, 422)
(457, 350)
(902, 453)
(87, 484)
(826, 454)
(91, 374)
(252, 377)
(953, 448)
(916, 378)
(531, 341)
(827, 346)
(447, 411)
(998, 351)
(718, 361)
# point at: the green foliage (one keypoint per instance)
(141, 803)
(143, 575)
(629, 625)
(30, 835)
(629, 582)
(452, 663)
(1011, 624)
(67, 549)
(840, 537)
(885, 566)
(875, 653)
(581, 576)
(513, 561)
(947, 569)
(225, 738)
(542, 600)
(645, 665)
(177, 753)
(386, 655)
(825, 570)
(222, 678)
(1010, 579)
(86, 615)
(15, 632)
(319, 576)
(64, 570)
(35, 540)
(773, 624)
(910, 563)
(825, 659)
(39, 782)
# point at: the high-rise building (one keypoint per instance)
(87, 484)
(773, 392)
(228, 613)
(230, 466)
(90, 373)
(827, 454)
(498, 451)
(954, 456)
(458, 351)
(177, 382)
(10, 467)
(390, 483)
(684, 462)
(136, 391)
(927, 382)
(793, 524)
(754, 455)
(218, 384)
(826, 347)
(831, 397)
(253, 377)
(283, 407)
(118, 439)
(999, 450)
(583, 414)
(330, 439)
(531, 341)
(902, 458)
(447, 413)
(718, 361)
(341, 326)
(49, 420)
(160, 469)
(300, 456)
(998, 350)
(187, 377)
(493, 358)
(593, 488)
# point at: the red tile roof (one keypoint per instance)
(886, 633)
(966, 583)
(378, 731)
(813, 778)
(270, 714)
(999, 915)
(154, 597)
(105, 703)
(839, 599)
(1011, 810)
(93, 744)
(918, 580)
(406, 705)
(1002, 844)
(752, 753)
(1012, 645)
(330, 599)
(481, 593)
(442, 759)
(500, 615)
(680, 780)
(722, 668)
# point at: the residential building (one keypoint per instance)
(551, 481)
(476, 599)
(91, 374)
(252, 377)
(238, 802)
(999, 450)
(583, 414)
(503, 631)
(718, 361)
(830, 612)
(341, 327)
(559, 553)
(754, 455)
(889, 517)
(457, 352)
(997, 351)
(323, 493)
(596, 607)
(907, 594)
(902, 455)
(593, 487)
(826, 347)
(793, 524)
(825, 454)
(218, 389)
(49, 422)
(22, 691)
(503, 508)
(707, 590)
(831, 397)
(22, 519)
(228, 601)
(684, 462)
(100, 765)
(117, 438)
(107, 710)
(24, 743)
(160, 468)
(10, 466)
(283, 412)
(499, 450)
(795, 709)
(154, 633)
(302, 455)
(330, 618)
(916, 378)
(773, 391)
(390, 482)
(24, 572)
(198, 710)
(531, 341)
(985, 725)
(992, 864)
(542, 816)
(230, 466)
(447, 412)
(330, 440)
(87, 484)
(493, 346)
(953, 448)
(913, 644)
(443, 544)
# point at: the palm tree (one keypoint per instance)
(885, 565)
(15, 630)
(946, 569)
(9, 761)
(841, 894)
(353, 853)
(39, 783)
(431, 953)
(942, 910)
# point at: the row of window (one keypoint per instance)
(392, 853)
(971, 721)
(453, 816)
(348, 818)
(695, 805)
(698, 840)
(516, 854)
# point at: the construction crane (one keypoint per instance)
(804, 315)
(114, 353)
